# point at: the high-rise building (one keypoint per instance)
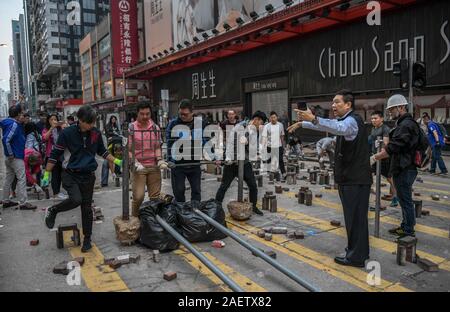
(17, 52)
(55, 28)
(3, 103)
(13, 82)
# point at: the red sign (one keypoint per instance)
(124, 37)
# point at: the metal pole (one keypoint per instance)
(257, 252)
(411, 89)
(125, 178)
(232, 284)
(378, 191)
(240, 181)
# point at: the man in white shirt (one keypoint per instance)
(273, 141)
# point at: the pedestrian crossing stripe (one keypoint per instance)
(243, 281)
(94, 271)
(385, 219)
(351, 275)
(377, 243)
(432, 211)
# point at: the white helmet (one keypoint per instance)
(396, 100)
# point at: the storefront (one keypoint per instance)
(313, 67)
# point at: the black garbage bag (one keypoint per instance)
(214, 210)
(153, 234)
(193, 227)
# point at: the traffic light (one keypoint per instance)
(419, 75)
(401, 69)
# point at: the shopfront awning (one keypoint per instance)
(297, 20)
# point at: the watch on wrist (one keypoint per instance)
(315, 121)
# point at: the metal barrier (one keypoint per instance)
(200, 256)
(257, 252)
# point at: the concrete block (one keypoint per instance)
(261, 233)
(427, 265)
(115, 264)
(299, 235)
(268, 237)
(279, 230)
(61, 268)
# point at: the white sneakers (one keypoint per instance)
(62, 196)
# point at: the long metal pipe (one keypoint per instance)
(257, 252)
(125, 178)
(232, 284)
(378, 191)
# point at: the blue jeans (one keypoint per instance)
(105, 172)
(403, 183)
(436, 157)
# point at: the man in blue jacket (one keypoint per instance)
(14, 149)
(184, 160)
(79, 144)
(436, 140)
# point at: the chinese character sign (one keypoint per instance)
(203, 85)
(124, 35)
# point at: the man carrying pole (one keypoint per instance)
(231, 169)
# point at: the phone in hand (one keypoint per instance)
(302, 106)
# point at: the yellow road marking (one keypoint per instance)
(418, 227)
(243, 281)
(377, 243)
(97, 277)
(354, 276)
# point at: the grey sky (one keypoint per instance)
(9, 10)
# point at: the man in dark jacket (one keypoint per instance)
(185, 150)
(79, 144)
(231, 168)
(403, 143)
(14, 148)
(352, 171)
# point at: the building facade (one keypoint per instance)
(56, 28)
(307, 52)
(106, 52)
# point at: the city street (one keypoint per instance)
(29, 268)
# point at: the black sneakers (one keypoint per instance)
(257, 211)
(86, 245)
(27, 206)
(9, 204)
(50, 217)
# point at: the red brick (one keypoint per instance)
(34, 242)
(169, 276)
(80, 260)
(425, 212)
(115, 264)
(335, 223)
(318, 195)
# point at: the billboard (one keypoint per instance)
(124, 35)
(158, 26)
(173, 22)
